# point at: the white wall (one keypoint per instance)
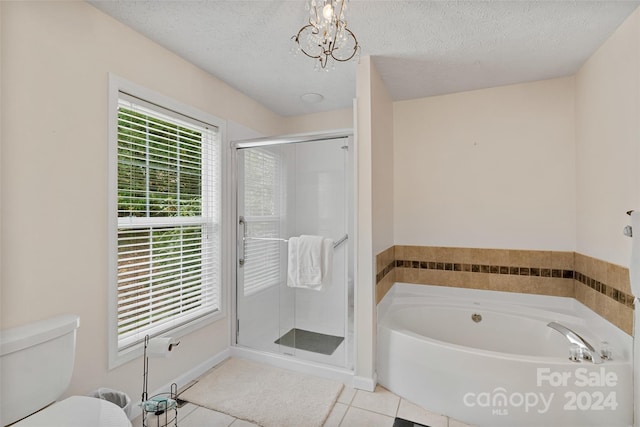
(56, 57)
(374, 130)
(608, 144)
(364, 286)
(382, 159)
(326, 121)
(491, 168)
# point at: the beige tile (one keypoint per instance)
(153, 420)
(440, 277)
(580, 263)
(457, 278)
(579, 292)
(510, 283)
(465, 255)
(239, 423)
(435, 277)
(563, 287)
(552, 286)
(600, 302)
(356, 417)
(384, 258)
(205, 417)
(437, 254)
(501, 282)
(456, 423)
(417, 414)
(384, 286)
(617, 313)
(582, 293)
(381, 401)
(563, 260)
(476, 256)
(494, 257)
(346, 396)
(540, 259)
(618, 277)
(598, 270)
(467, 279)
(336, 415)
(519, 258)
(428, 253)
(410, 275)
(589, 297)
(479, 281)
(186, 410)
(412, 253)
(588, 266)
(447, 254)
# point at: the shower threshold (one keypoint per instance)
(310, 341)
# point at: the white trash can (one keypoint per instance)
(114, 396)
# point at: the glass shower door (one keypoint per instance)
(286, 191)
(261, 247)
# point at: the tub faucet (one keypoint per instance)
(587, 350)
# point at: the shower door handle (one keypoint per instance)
(241, 240)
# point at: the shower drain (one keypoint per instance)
(476, 317)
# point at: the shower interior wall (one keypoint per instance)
(317, 207)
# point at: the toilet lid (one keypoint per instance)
(78, 411)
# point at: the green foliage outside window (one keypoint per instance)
(159, 167)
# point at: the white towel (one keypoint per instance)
(310, 262)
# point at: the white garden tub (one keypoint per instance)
(507, 369)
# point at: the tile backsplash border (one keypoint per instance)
(602, 286)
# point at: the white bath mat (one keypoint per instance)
(264, 395)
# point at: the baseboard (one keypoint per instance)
(365, 383)
(184, 379)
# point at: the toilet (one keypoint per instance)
(36, 364)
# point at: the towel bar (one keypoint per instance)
(277, 239)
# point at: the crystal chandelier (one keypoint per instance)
(326, 35)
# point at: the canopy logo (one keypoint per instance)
(499, 400)
(576, 396)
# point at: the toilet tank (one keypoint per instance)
(36, 364)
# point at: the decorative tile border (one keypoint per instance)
(604, 289)
(611, 292)
(386, 270)
(490, 269)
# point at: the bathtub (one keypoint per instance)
(489, 359)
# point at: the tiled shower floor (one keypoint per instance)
(354, 408)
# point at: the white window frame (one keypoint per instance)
(117, 86)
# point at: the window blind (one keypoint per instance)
(168, 220)
(262, 207)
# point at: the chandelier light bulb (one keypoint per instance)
(327, 11)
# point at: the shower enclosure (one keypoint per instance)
(288, 188)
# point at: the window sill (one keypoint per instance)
(119, 358)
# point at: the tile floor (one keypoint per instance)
(354, 408)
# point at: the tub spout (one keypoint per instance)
(588, 352)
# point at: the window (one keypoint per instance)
(262, 214)
(167, 255)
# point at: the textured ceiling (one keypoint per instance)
(420, 48)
